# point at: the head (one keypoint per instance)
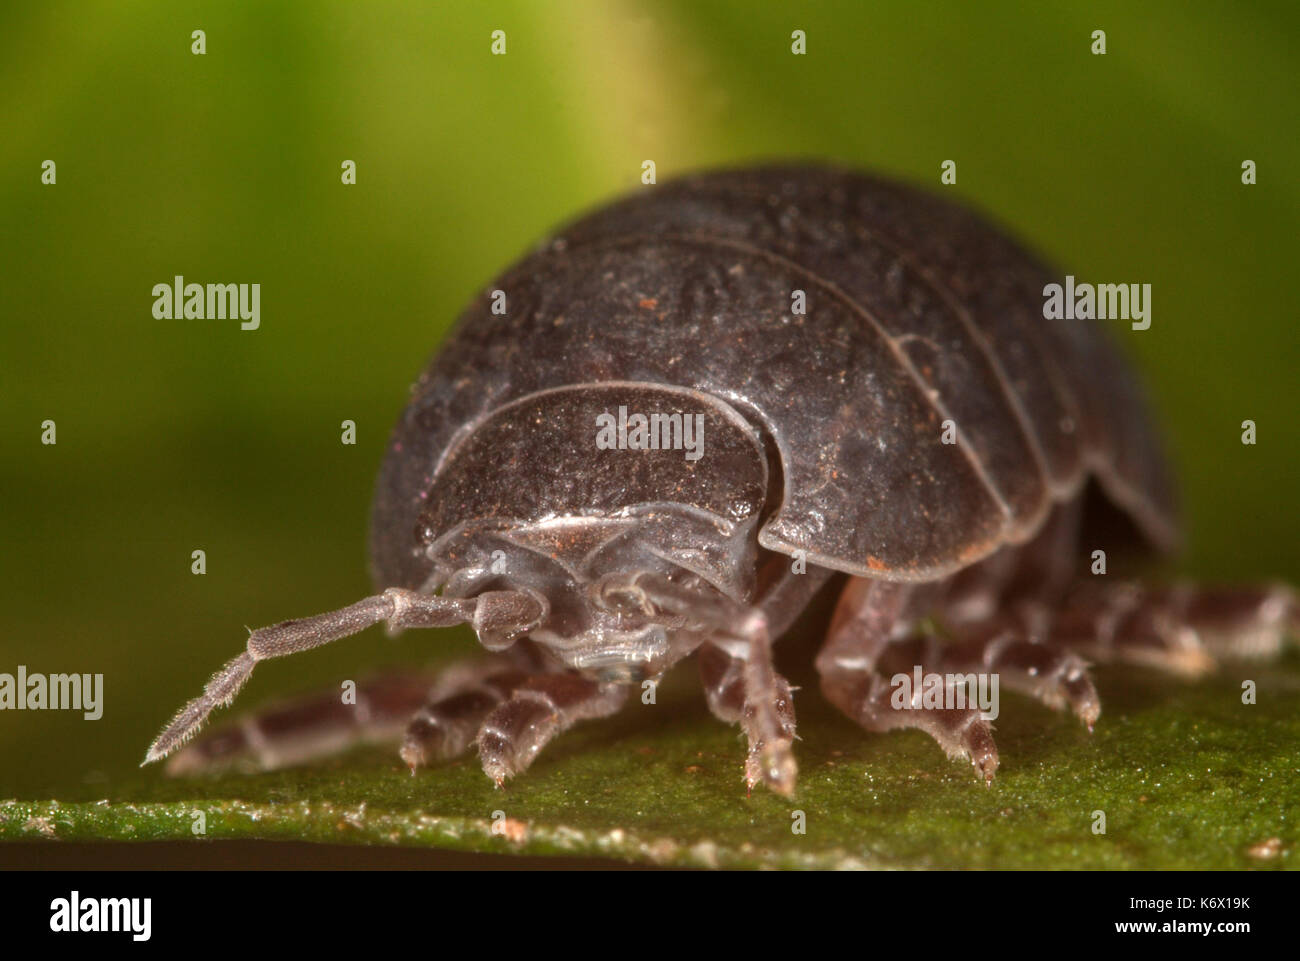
(584, 496)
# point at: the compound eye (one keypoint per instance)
(619, 594)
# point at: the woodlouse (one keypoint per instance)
(919, 427)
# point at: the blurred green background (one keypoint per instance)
(186, 434)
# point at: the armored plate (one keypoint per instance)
(575, 462)
(917, 314)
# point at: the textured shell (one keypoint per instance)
(917, 312)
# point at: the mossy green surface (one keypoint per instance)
(1188, 777)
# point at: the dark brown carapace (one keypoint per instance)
(662, 433)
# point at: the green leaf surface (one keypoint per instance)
(1188, 777)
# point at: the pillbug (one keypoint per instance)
(699, 406)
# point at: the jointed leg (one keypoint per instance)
(1239, 622)
(871, 617)
(962, 732)
(742, 631)
(302, 730)
(538, 709)
(1052, 674)
(1181, 629)
(447, 723)
(725, 686)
